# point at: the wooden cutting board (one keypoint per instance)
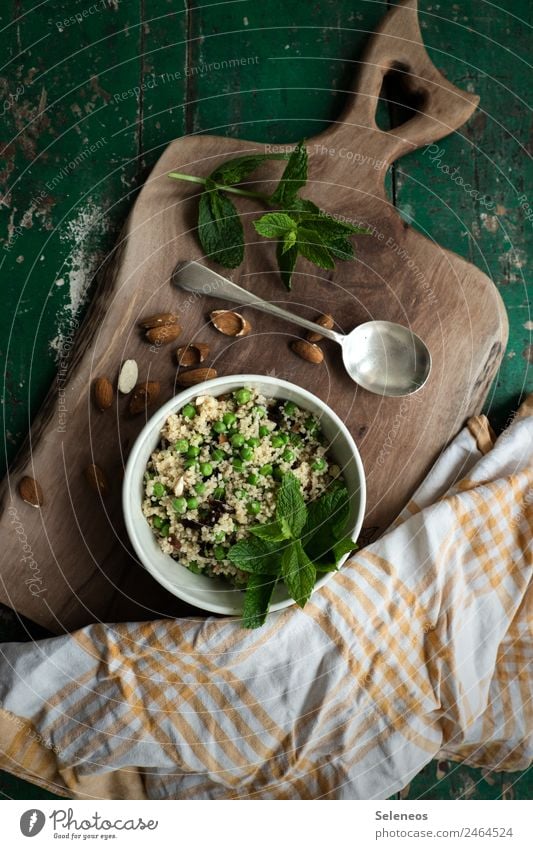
(69, 563)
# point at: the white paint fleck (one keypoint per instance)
(528, 325)
(60, 282)
(489, 222)
(245, 21)
(20, 258)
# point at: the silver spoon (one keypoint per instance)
(382, 357)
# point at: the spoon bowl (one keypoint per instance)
(382, 357)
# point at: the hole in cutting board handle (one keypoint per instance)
(401, 97)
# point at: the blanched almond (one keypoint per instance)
(103, 393)
(158, 320)
(230, 323)
(195, 375)
(192, 354)
(143, 396)
(307, 351)
(325, 320)
(164, 334)
(30, 491)
(128, 376)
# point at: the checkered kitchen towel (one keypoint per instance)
(421, 646)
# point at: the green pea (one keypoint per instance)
(181, 446)
(190, 464)
(247, 453)
(277, 441)
(165, 530)
(180, 505)
(238, 464)
(193, 451)
(237, 440)
(219, 492)
(192, 503)
(253, 442)
(288, 455)
(295, 439)
(217, 455)
(252, 479)
(290, 408)
(193, 567)
(259, 412)
(242, 396)
(219, 427)
(263, 431)
(220, 536)
(229, 419)
(206, 469)
(254, 507)
(240, 494)
(189, 411)
(277, 474)
(319, 465)
(199, 488)
(157, 521)
(311, 425)
(265, 470)
(159, 490)
(220, 552)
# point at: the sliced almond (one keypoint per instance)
(30, 491)
(192, 354)
(178, 489)
(230, 323)
(307, 351)
(128, 376)
(195, 375)
(158, 320)
(96, 479)
(103, 393)
(163, 335)
(325, 320)
(143, 396)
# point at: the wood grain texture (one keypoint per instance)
(77, 539)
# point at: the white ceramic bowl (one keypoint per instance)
(211, 593)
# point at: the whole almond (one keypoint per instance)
(192, 354)
(195, 375)
(127, 378)
(230, 323)
(158, 320)
(164, 334)
(103, 393)
(30, 491)
(325, 320)
(307, 351)
(96, 479)
(143, 396)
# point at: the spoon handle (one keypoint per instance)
(197, 278)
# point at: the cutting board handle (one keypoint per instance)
(397, 47)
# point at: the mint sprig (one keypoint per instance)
(298, 226)
(302, 541)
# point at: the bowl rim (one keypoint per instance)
(177, 402)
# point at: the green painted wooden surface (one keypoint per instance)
(78, 138)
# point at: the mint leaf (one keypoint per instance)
(290, 505)
(256, 556)
(220, 228)
(257, 600)
(311, 245)
(273, 531)
(289, 241)
(342, 547)
(275, 225)
(293, 179)
(327, 224)
(286, 262)
(326, 518)
(341, 249)
(298, 572)
(237, 170)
